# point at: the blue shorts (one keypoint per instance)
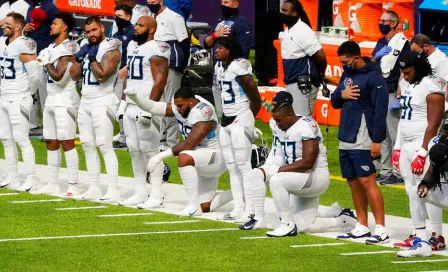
(356, 163)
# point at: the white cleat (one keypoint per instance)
(111, 197)
(49, 189)
(29, 184)
(72, 191)
(420, 248)
(133, 201)
(93, 193)
(233, 215)
(283, 230)
(10, 184)
(190, 210)
(152, 203)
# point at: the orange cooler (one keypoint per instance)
(405, 10)
(311, 8)
(364, 16)
(340, 13)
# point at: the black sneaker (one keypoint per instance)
(381, 177)
(35, 132)
(392, 180)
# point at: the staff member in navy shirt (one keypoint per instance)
(362, 95)
(391, 46)
(125, 32)
(304, 60)
(233, 24)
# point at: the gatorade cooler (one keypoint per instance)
(280, 74)
(364, 16)
(311, 8)
(405, 10)
(340, 13)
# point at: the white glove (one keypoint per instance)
(121, 109)
(130, 92)
(143, 118)
(273, 169)
(257, 133)
(153, 162)
(44, 59)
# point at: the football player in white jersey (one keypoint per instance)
(422, 106)
(61, 107)
(297, 170)
(240, 104)
(199, 159)
(147, 75)
(18, 82)
(97, 65)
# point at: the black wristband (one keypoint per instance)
(92, 59)
(79, 59)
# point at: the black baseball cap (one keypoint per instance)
(438, 155)
(281, 99)
(409, 59)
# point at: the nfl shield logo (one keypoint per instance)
(365, 168)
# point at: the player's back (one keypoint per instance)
(414, 117)
(201, 112)
(233, 96)
(14, 78)
(92, 90)
(139, 65)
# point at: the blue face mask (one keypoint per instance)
(349, 67)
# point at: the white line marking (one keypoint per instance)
(36, 201)
(114, 234)
(8, 194)
(420, 261)
(80, 208)
(171, 222)
(367, 253)
(123, 214)
(254, 237)
(318, 245)
(436, 271)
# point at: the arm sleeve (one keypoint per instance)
(380, 98)
(398, 138)
(185, 46)
(31, 70)
(243, 35)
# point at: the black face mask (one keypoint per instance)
(154, 8)
(288, 20)
(121, 23)
(141, 38)
(384, 29)
(228, 12)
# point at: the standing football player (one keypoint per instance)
(18, 82)
(147, 75)
(61, 107)
(240, 104)
(200, 159)
(97, 65)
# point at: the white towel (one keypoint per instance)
(388, 62)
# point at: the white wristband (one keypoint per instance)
(422, 152)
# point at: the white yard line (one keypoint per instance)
(80, 208)
(114, 234)
(36, 201)
(171, 222)
(420, 261)
(8, 194)
(317, 245)
(367, 253)
(123, 214)
(254, 237)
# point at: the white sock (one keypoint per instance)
(29, 158)
(323, 225)
(72, 160)
(189, 176)
(93, 163)
(422, 234)
(139, 167)
(435, 218)
(221, 199)
(281, 200)
(140, 187)
(54, 163)
(156, 176)
(11, 157)
(246, 171)
(258, 193)
(111, 162)
(236, 185)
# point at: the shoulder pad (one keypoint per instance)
(113, 44)
(27, 46)
(240, 67)
(163, 49)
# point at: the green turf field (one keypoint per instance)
(83, 241)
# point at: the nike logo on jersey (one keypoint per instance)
(380, 86)
(236, 121)
(191, 214)
(206, 112)
(247, 32)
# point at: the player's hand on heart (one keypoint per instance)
(223, 31)
(82, 53)
(350, 92)
(153, 162)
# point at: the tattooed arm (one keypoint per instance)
(76, 71)
(109, 64)
(159, 70)
(56, 73)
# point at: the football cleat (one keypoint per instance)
(406, 243)
(10, 184)
(244, 218)
(93, 193)
(48, 189)
(437, 243)
(419, 248)
(152, 203)
(112, 196)
(379, 237)
(232, 215)
(29, 183)
(283, 230)
(72, 190)
(133, 201)
(358, 232)
(253, 224)
(190, 210)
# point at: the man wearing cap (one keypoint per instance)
(296, 170)
(432, 189)
(422, 108)
(362, 95)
